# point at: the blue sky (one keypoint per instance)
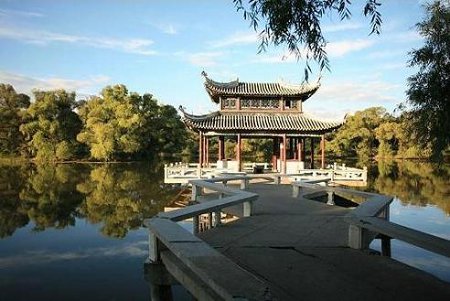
(161, 47)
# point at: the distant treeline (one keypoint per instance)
(375, 133)
(123, 126)
(117, 125)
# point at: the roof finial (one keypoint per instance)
(204, 73)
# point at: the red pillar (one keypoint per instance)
(221, 148)
(274, 153)
(204, 150)
(238, 151)
(200, 149)
(312, 153)
(300, 150)
(322, 147)
(207, 151)
(283, 154)
(303, 158)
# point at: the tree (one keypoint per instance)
(111, 123)
(396, 141)
(123, 125)
(49, 196)
(357, 136)
(168, 121)
(51, 125)
(296, 23)
(428, 91)
(12, 106)
(120, 197)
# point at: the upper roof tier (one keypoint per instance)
(239, 89)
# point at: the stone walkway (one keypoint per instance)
(299, 248)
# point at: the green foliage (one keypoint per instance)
(123, 125)
(296, 24)
(12, 106)
(12, 214)
(257, 150)
(191, 147)
(415, 183)
(51, 125)
(49, 197)
(110, 123)
(168, 130)
(120, 197)
(373, 132)
(357, 136)
(428, 91)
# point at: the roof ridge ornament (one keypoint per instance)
(231, 84)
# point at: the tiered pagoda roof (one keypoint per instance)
(237, 88)
(257, 122)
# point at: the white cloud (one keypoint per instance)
(276, 58)
(334, 49)
(44, 37)
(335, 99)
(169, 29)
(238, 38)
(201, 59)
(405, 37)
(351, 91)
(341, 27)
(341, 48)
(136, 249)
(391, 66)
(25, 84)
(383, 54)
(19, 13)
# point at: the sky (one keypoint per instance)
(161, 47)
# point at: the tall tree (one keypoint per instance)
(357, 136)
(296, 24)
(111, 124)
(168, 121)
(12, 107)
(123, 125)
(428, 91)
(51, 125)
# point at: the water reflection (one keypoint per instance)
(414, 183)
(117, 196)
(56, 222)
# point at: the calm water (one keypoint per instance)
(71, 232)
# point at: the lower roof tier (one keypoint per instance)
(258, 122)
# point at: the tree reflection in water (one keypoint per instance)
(119, 196)
(415, 183)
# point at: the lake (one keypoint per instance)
(73, 231)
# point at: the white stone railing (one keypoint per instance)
(336, 173)
(371, 219)
(183, 172)
(204, 271)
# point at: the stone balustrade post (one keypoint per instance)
(247, 206)
(358, 238)
(295, 190)
(153, 250)
(244, 184)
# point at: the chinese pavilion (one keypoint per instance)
(261, 110)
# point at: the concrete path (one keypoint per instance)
(299, 248)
